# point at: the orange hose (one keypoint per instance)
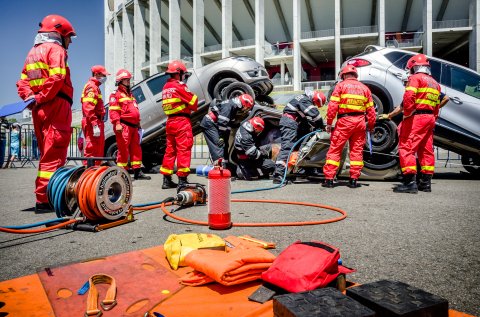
(86, 192)
(260, 224)
(60, 225)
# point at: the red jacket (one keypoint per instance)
(92, 103)
(123, 107)
(177, 98)
(422, 93)
(45, 74)
(351, 96)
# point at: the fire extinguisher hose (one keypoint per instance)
(263, 224)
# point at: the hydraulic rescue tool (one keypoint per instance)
(191, 194)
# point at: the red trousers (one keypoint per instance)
(52, 123)
(179, 146)
(351, 129)
(128, 143)
(416, 139)
(94, 146)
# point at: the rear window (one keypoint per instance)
(399, 59)
(156, 84)
(138, 94)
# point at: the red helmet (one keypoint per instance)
(56, 23)
(175, 67)
(122, 74)
(257, 123)
(246, 100)
(99, 69)
(417, 60)
(348, 69)
(319, 98)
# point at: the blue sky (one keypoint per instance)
(19, 24)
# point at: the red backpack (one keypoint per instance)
(305, 266)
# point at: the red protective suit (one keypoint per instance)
(420, 107)
(93, 111)
(351, 100)
(178, 104)
(46, 75)
(124, 110)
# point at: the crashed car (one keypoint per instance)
(222, 79)
(458, 126)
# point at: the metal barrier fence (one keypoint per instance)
(28, 151)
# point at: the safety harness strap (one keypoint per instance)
(110, 298)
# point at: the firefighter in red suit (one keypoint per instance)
(45, 78)
(420, 108)
(125, 118)
(352, 100)
(178, 104)
(93, 111)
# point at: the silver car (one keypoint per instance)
(226, 78)
(458, 127)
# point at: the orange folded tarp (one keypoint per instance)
(234, 267)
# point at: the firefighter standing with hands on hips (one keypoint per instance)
(252, 161)
(303, 109)
(93, 111)
(125, 118)
(421, 103)
(352, 100)
(217, 124)
(178, 104)
(46, 79)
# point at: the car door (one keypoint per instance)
(151, 110)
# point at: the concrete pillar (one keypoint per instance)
(226, 27)
(118, 43)
(381, 22)
(282, 73)
(297, 51)
(139, 39)
(338, 24)
(260, 31)
(174, 32)
(198, 31)
(155, 35)
(474, 41)
(109, 52)
(127, 22)
(427, 27)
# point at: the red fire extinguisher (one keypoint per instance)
(219, 216)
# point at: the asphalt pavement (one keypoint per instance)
(428, 240)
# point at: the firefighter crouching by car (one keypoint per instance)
(178, 104)
(125, 118)
(252, 161)
(352, 100)
(93, 111)
(421, 102)
(46, 79)
(217, 124)
(303, 109)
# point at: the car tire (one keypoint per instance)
(221, 85)
(112, 152)
(378, 105)
(236, 89)
(384, 136)
(265, 101)
(471, 163)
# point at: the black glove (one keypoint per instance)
(265, 152)
(221, 142)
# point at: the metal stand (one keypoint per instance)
(90, 160)
(95, 226)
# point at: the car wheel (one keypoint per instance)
(236, 89)
(378, 104)
(112, 151)
(471, 163)
(265, 101)
(221, 85)
(383, 136)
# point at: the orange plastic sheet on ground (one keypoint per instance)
(227, 268)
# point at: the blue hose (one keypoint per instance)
(56, 189)
(36, 224)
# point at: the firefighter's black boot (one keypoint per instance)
(409, 185)
(182, 181)
(328, 183)
(168, 183)
(425, 183)
(352, 183)
(138, 175)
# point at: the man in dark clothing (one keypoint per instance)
(252, 161)
(217, 124)
(301, 110)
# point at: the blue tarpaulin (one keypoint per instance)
(14, 108)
